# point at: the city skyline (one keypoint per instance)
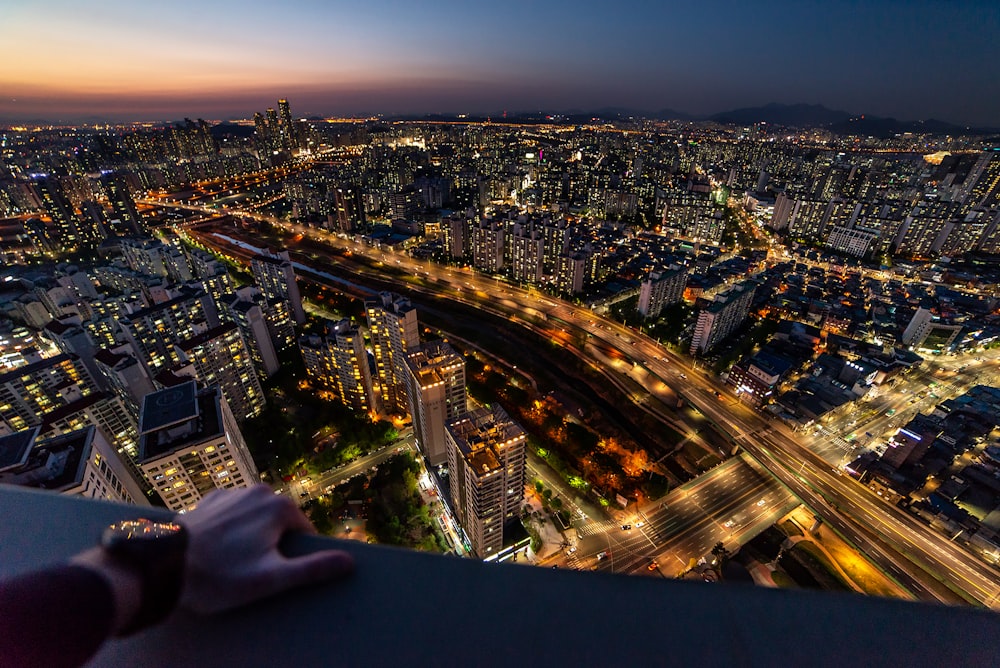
(121, 62)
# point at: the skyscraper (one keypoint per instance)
(436, 391)
(286, 127)
(392, 321)
(486, 457)
(189, 445)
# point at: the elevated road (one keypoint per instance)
(935, 567)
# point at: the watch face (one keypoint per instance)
(140, 531)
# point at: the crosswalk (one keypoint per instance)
(592, 528)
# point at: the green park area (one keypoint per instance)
(302, 429)
(388, 501)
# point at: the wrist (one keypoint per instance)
(124, 584)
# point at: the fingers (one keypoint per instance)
(292, 518)
(310, 568)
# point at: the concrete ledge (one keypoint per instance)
(404, 608)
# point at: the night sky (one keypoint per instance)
(146, 60)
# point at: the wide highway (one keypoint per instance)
(905, 545)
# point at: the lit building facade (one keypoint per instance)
(486, 458)
(190, 445)
(722, 317)
(436, 389)
(394, 330)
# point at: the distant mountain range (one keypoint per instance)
(790, 115)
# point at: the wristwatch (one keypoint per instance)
(156, 552)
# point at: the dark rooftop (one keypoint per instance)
(168, 407)
(56, 462)
(193, 418)
(14, 447)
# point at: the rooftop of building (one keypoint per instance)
(480, 433)
(430, 359)
(28, 369)
(55, 463)
(573, 618)
(14, 448)
(206, 336)
(178, 417)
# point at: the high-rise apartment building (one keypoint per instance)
(339, 362)
(220, 357)
(486, 458)
(394, 330)
(722, 317)
(488, 246)
(246, 309)
(275, 277)
(571, 272)
(59, 395)
(436, 390)
(154, 331)
(125, 375)
(77, 463)
(125, 217)
(984, 192)
(28, 393)
(527, 255)
(661, 288)
(190, 444)
(69, 232)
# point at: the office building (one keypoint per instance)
(486, 458)
(394, 330)
(190, 445)
(722, 317)
(436, 391)
(78, 463)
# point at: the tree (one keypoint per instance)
(721, 555)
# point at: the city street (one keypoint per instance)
(927, 557)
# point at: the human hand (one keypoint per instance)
(233, 555)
